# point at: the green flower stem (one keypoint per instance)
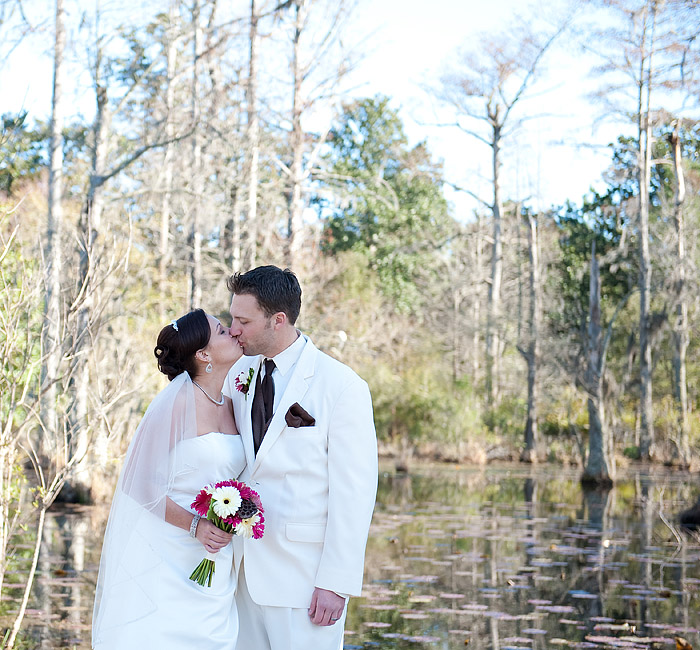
(204, 573)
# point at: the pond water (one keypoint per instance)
(498, 558)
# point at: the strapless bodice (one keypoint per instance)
(203, 460)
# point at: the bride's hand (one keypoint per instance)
(212, 538)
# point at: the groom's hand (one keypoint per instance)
(326, 607)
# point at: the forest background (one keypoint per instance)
(225, 136)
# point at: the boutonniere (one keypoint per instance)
(243, 383)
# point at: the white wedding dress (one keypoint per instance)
(157, 605)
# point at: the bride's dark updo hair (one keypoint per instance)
(175, 348)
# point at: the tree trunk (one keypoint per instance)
(295, 203)
(476, 305)
(529, 453)
(646, 444)
(252, 140)
(494, 297)
(8, 480)
(90, 225)
(681, 336)
(599, 469)
(51, 334)
(233, 231)
(168, 161)
(456, 330)
(195, 279)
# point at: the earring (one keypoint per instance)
(208, 368)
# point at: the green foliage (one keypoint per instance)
(392, 207)
(20, 329)
(558, 423)
(600, 220)
(508, 416)
(420, 402)
(604, 217)
(631, 452)
(662, 177)
(413, 392)
(22, 151)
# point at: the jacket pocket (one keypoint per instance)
(305, 430)
(306, 532)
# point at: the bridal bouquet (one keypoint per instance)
(233, 507)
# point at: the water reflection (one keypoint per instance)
(60, 607)
(532, 563)
(496, 558)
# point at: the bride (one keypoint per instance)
(153, 541)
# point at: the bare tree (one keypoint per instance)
(531, 353)
(640, 60)
(51, 332)
(245, 224)
(19, 297)
(599, 468)
(294, 220)
(484, 94)
(21, 293)
(477, 296)
(17, 24)
(681, 334)
(648, 19)
(172, 38)
(195, 262)
(90, 230)
(252, 139)
(43, 461)
(96, 264)
(319, 63)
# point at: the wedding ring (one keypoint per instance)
(335, 619)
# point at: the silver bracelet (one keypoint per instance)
(193, 526)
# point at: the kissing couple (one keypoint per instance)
(256, 402)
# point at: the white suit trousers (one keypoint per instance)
(281, 628)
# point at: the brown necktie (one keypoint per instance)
(263, 402)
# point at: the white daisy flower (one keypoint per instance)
(245, 528)
(226, 501)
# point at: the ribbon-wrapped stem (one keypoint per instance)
(204, 573)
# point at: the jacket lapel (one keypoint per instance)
(246, 425)
(296, 389)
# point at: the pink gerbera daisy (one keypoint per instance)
(201, 503)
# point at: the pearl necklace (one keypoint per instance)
(219, 403)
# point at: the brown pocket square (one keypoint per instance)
(297, 417)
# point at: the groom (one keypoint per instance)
(308, 431)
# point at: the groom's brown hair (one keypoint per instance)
(275, 290)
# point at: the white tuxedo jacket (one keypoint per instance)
(317, 484)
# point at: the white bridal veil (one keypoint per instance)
(124, 590)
